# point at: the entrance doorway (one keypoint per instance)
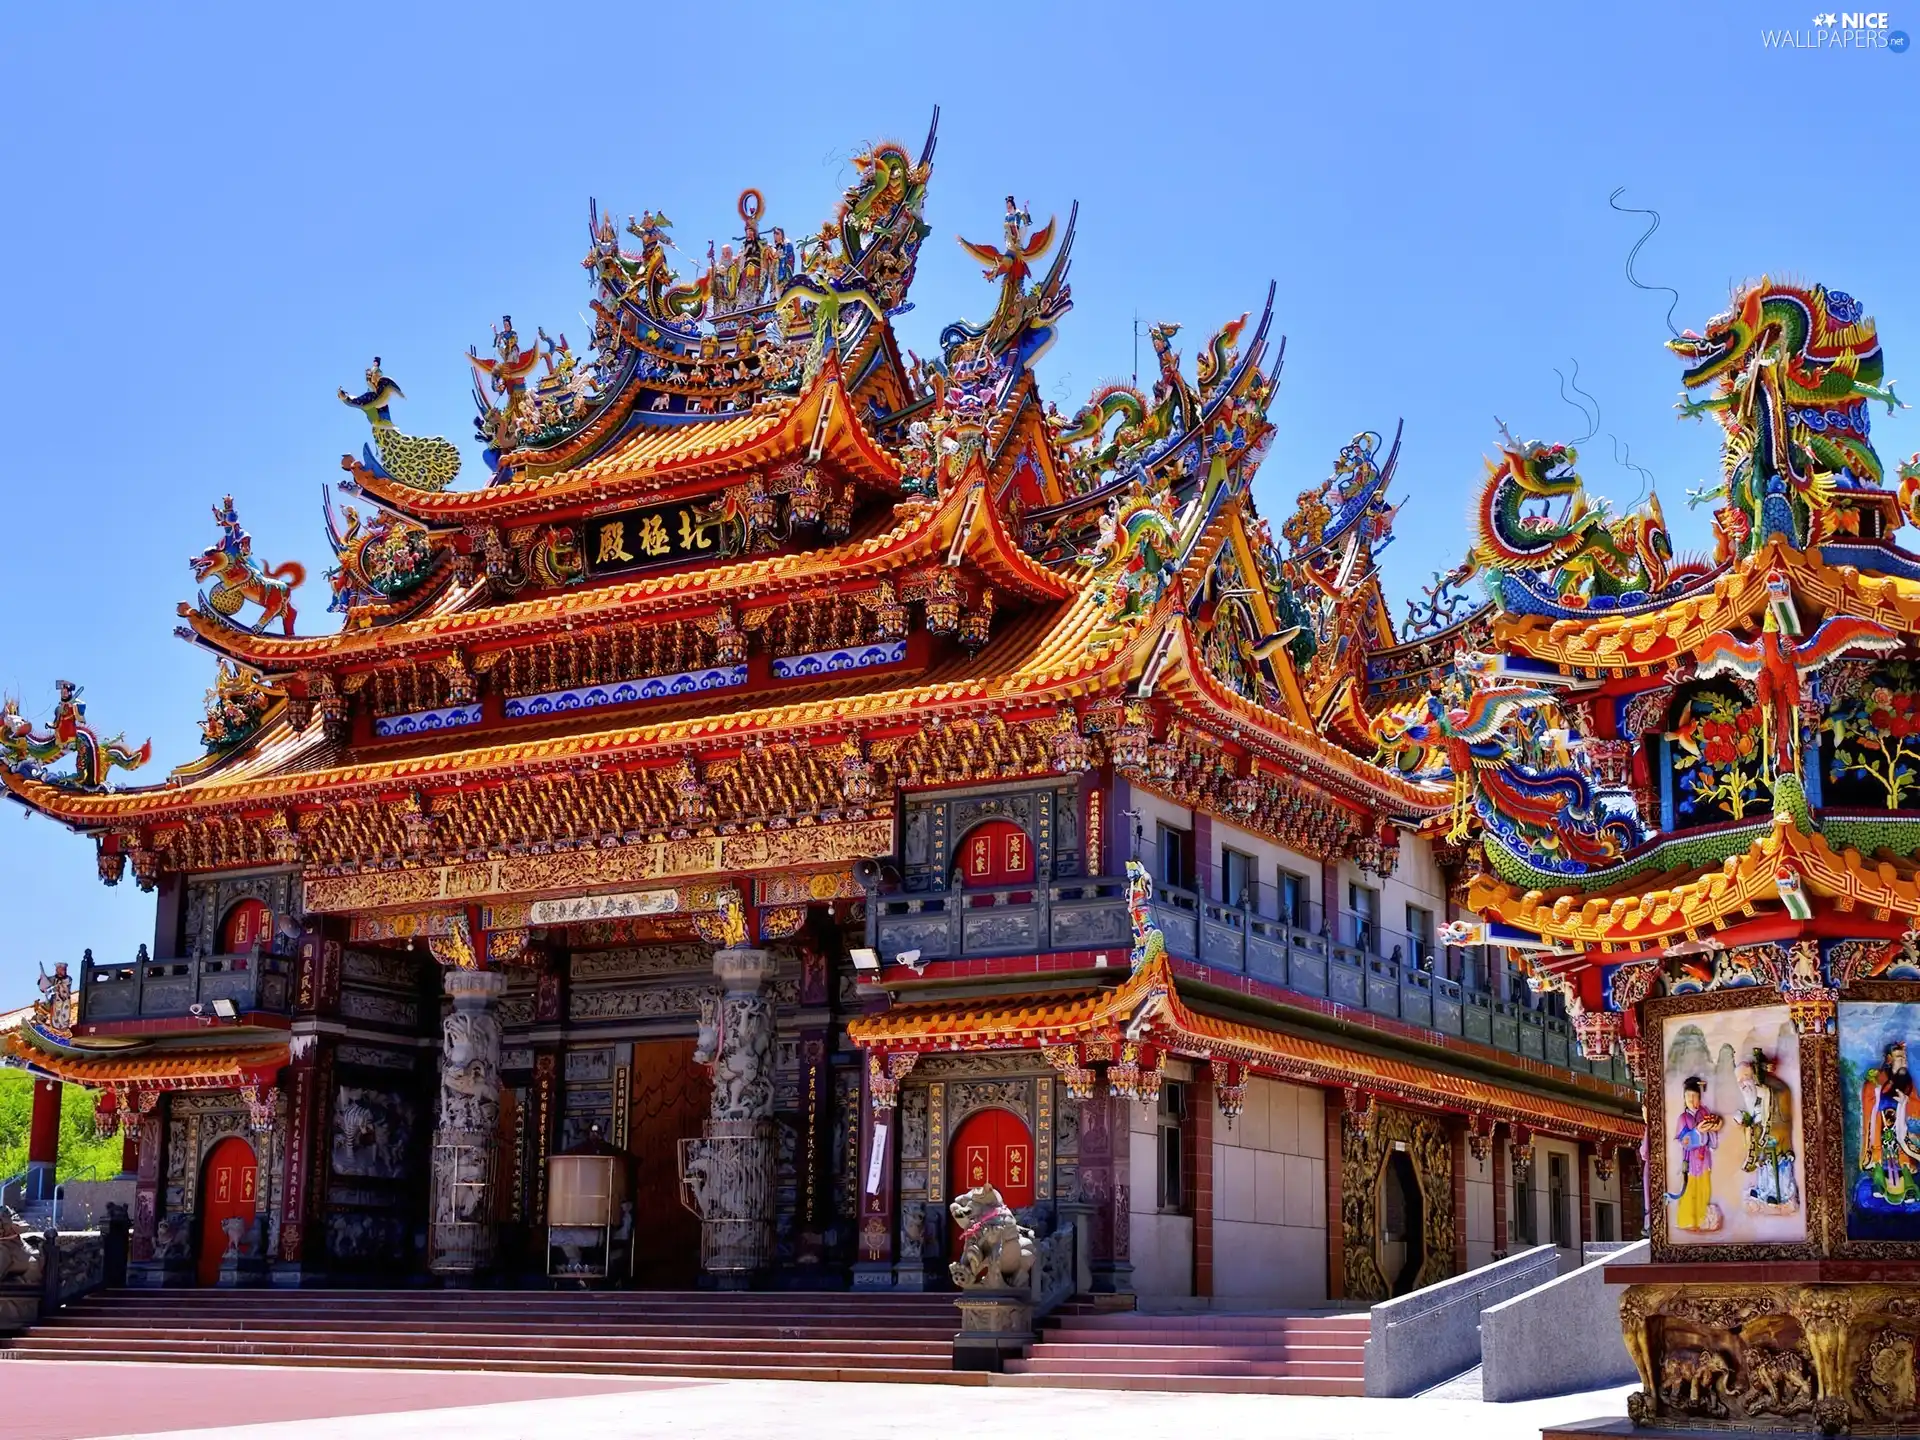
(226, 1193)
(993, 1147)
(994, 855)
(1403, 1248)
(670, 1099)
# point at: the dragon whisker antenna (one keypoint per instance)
(1623, 457)
(1632, 279)
(1592, 417)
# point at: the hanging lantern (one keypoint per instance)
(729, 640)
(1123, 1075)
(1146, 1086)
(106, 1114)
(856, 776)
(1131, 743)
(1229, 1088)
(840, 514)
(691, 795)
(889, 615)
(1069, 751)
(1243, 793)
(1163, 760)
(804, 503)
(260, 1109)
(978, 622)
(943, 603)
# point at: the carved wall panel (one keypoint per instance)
(1367, 1148)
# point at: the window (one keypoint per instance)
(1420, 936)
(1171, 1154)
(1523, 1228)
(1176, 858)
(1364, 905)
(1237, 883)
(1603, 1220)
(1562, 1231)
(1293, 900)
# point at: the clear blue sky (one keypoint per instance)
(217, 216)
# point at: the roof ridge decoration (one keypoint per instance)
(28, 752)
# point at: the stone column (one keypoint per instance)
(43, 1141)
(464, 1140)
(730, 1169)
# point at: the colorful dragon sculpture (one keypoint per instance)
(1583, 554)
(28, 751)
(1795, 371)
(1484, 732)
(1134, 555)
(1149, 944)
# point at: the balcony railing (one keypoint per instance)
(1089, 914)
(163, 989)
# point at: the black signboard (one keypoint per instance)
(664, 535)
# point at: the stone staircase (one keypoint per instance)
(1209, 1351)
(698, 1334)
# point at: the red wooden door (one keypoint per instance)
(671, 1096)
(226, 1193)
(996, 854)
(993, 1147)
(245, 923)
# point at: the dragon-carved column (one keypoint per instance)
(466, 1137)
(729, 1170)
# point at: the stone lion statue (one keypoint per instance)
(996, 1250)
(19, 1251)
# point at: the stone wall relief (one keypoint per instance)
(372, 1132)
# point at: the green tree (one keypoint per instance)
(81, 1157)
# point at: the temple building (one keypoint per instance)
(825, 780)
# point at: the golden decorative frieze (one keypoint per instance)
(531, 876)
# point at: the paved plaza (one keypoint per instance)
(80, 1401)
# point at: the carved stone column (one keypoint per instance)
(465, 1138)
(729, 1171)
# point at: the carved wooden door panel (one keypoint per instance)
(670, 1098)
(992, 1147)
(993, 855)
(226, 1193)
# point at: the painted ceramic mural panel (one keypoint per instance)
(1731, 1081)
(1882, 1151)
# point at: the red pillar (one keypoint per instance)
(1334, 1111)
(43, 1139)
(1460, 1198)
(129, 1145)
(1586, 1195)
(879, 1126)
(1104, 1160)
(1501, 1180)
(1199, 1164)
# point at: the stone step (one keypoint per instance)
(1182, 1384)
(1148, 1354)
(600, 1333)
(939, 1348)
(676, 1358)
(1200, 1365)
(799, 1370)
(1231, 1320)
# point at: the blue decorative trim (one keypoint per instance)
(422, 722)
(1872, 559)
(625, 692)
(831, 662)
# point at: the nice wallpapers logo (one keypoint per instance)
(1843, 30)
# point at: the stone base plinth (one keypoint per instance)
(995, 1326)
(1774, 1355)
(19, 1308)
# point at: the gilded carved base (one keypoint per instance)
(1834, 1359)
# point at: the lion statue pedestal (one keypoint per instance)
(21, 1280)
(994, 1273)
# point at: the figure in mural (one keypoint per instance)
(1889, 1152)
(1766, 1114)
(1698, 1132)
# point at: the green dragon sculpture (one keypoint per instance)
(1794, 370)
